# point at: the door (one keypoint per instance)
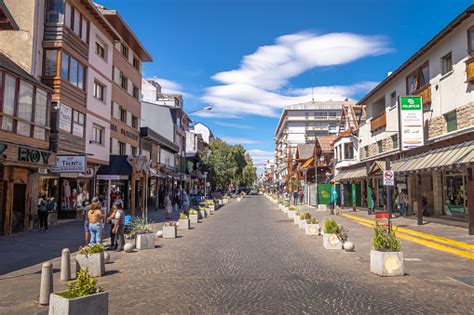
(18, 211)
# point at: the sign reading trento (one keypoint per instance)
(411, 122)
(69, 164)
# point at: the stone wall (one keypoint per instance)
(437, 126)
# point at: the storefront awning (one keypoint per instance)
(309, 162)
(442, 158)
(351, 175)
(118, 166)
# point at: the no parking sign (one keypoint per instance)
(388, 178)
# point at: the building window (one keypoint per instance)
(25, 108)
(72, 71)
(366, 149)
(470, 41)
(41, 114)
(134, 122)
(97, 134)
(50, 63)
(393, 98)
(100, 50)
(124, 50)
(136, 63)
(134, 151)
(451, 121)
(78, 124)
(55, 11)
(447, 63)
(123, 115)
(395, 141)
(348, 151)
(418, 79)
(122, 148)
(455, 190)
(380, 146)
(136, 92)
(99, 91)
(123, 81)
(9, 89)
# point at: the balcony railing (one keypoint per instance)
(470, 69)
(378, 121)
(425, 93)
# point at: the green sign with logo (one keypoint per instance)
(411, 122)
(411, 102)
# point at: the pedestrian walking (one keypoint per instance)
(295, 197)
(111, 220)
(334, 196)
(95, 216)
(372, 203)
(402, 203)
(119, 226)
(185, 202)
(301, 195)
(168, 206)
(42, 214)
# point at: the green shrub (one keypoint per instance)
(292, 208)
(140, 226)
(209, 202)
(92, 249)
(183, 216)
(312, 221)
(193, 211)
(331, 227)
(385, 240)
(83, 285)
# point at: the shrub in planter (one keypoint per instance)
(202, 213)
(292, 212)
(193, 216)
(386, 259)
(183, 222)
(331, 235)
(303, 218)
(170, 230)
(312, 227)
(91, 258)
(210, 206)
(83, 296)
(144, 235)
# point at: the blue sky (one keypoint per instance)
(249, 58)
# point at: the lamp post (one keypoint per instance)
(205, 185)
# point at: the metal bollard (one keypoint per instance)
(46, 285)
(65, 265)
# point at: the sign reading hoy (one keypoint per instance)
(70, 164)
(33, 155)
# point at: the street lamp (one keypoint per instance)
(208, 108)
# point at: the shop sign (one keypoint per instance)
(112, 177)
(388, 178)
(411, 122)
(70, 164)
(33, 155)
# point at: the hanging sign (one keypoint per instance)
(411, 122)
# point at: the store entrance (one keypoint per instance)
(18, 211)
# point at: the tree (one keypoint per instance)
(249, 173)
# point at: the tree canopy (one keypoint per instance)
(228, 165)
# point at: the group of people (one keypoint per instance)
(95, 220)
(181, 201)
(45, 207)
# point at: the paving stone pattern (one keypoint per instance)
(248, 258)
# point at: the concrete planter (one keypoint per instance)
(170, 231)
(202, 214)
(386, 264)
(302, 224)
(145, 241)
(225, 201)
(291, 214)
(210, 210)
(194, 218)
(331, 241)
(95, 263)
(296, 220)
(220, 202)
(311, 229)
(285, 209)
(183, 224)
(97, 304)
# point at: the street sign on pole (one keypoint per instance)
(388, 178)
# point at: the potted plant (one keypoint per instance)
(296, 219)
(303, 218)
(82, 296)
(386, 259)
(183, 223)
(291, 212)
(312, 227)
(210, 206)
(331, 238)
(285, 206)
(193, 216)
(170, 230)
(144, 236)
(91, 258)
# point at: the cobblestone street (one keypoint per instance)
(248, 258)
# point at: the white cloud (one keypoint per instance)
(234, 140)
(260, 157)
(257, 87)
(238, 126)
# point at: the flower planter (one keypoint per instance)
(296, 220)
(145, 241)
(311, 229)
(331, 241)
(95, 263)
(183, 224)
(193, 218)
(169, 231)
(291, 214)
(97, 304)
(210, 210)
(202, 214)
(302, 224)
(285, 209)
(386, 264)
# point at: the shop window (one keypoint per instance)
(41, 114)
(54, 11)
(25, 109)
(395, 141)
(97, 134)
(122, 148)
(78, 124)
(50, 63)
(9, 89)
(447, 63)
(123, 115)
(136, 92)
(99, 91)
(379, 146)
(455, 194)
(451, 121)
(418, 79)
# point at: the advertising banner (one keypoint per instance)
(411, 122)
(70, 164)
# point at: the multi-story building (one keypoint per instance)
(303, 123)
(126, 56)
(437, 170)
